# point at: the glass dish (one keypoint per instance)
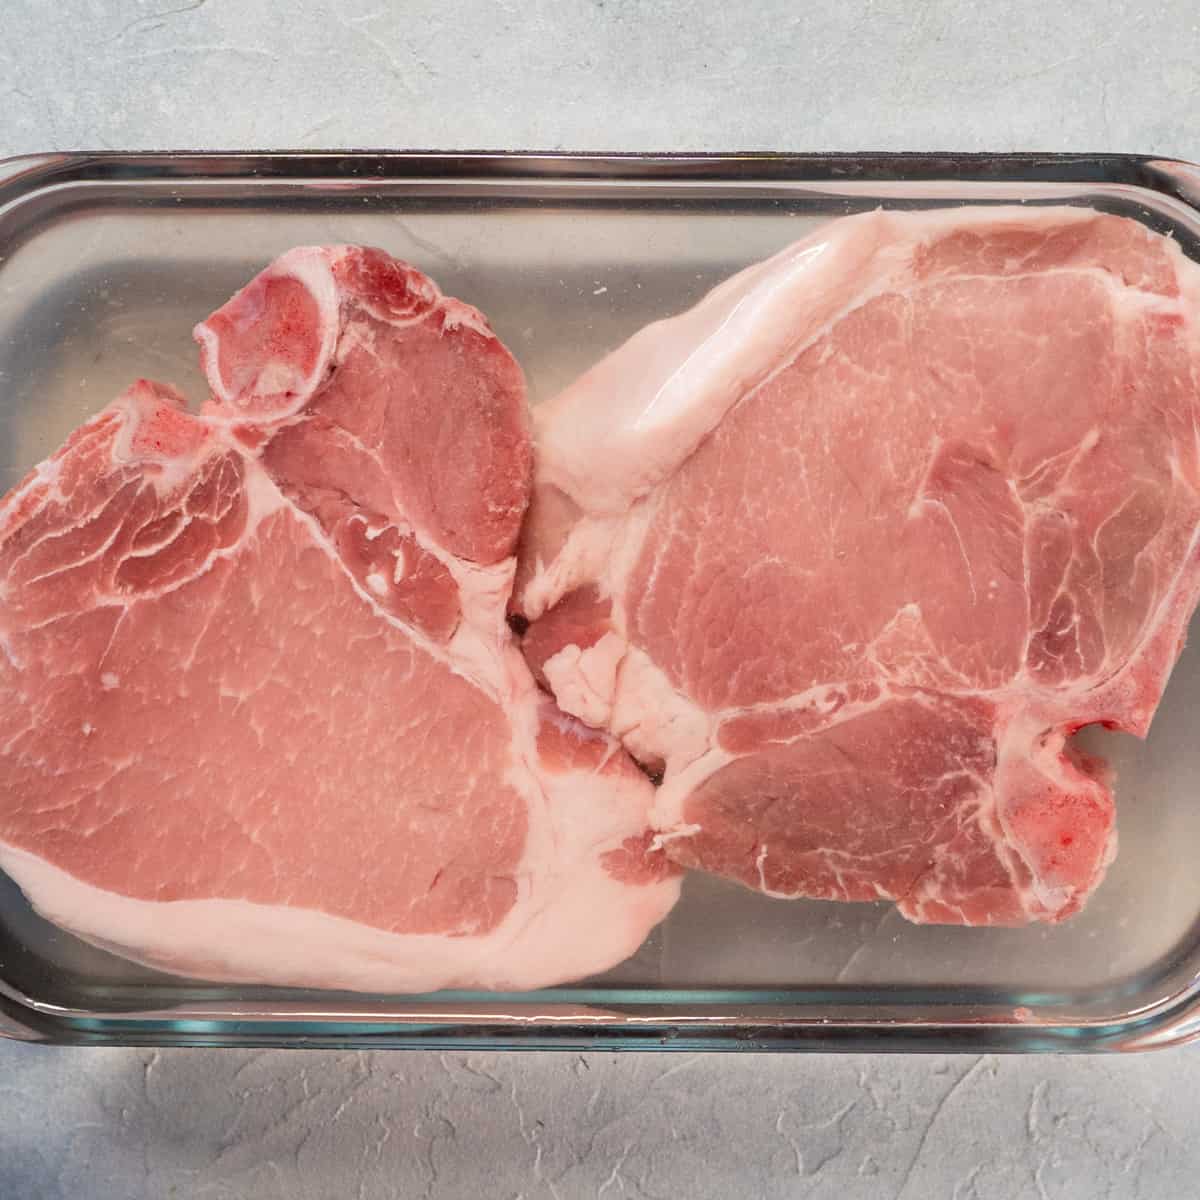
(106, 261)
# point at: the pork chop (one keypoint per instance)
(263, 717)
(850, 550)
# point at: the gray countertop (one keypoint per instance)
(619, 75)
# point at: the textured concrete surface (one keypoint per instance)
(141, 1125)
(611, 74)
(327, 1126)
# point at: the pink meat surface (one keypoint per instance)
(263, 717)
(853, 547)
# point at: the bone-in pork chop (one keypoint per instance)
(263, 718)
(851, 549)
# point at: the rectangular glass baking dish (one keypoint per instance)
(106, 261)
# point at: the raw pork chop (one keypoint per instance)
(263, 718)
(852, 548)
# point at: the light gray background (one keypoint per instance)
(671, 75)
